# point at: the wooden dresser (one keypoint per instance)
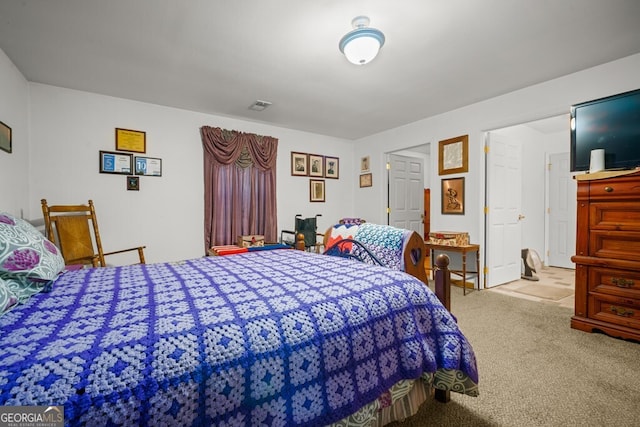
(607, 293)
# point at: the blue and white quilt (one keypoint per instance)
(273, 338)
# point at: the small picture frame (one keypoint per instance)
(331, 167)
(453, 155)
(299, 164)
(118, 163)
(131, 140)
(365, 163)
(148, 166)
(133, 183)
(316, 190)
(453, 196)
(5, 138)
(366, 180)
(316, 165)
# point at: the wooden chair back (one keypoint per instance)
(74, 229)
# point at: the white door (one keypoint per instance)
(406, 192)
(561, 212)
(503, 188)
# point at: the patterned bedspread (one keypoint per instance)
(268, 338)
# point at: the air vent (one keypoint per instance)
(259, 105)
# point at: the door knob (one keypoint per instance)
(520, 217)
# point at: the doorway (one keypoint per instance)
(407, 178)
(536, 143)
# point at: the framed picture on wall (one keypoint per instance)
(299, 164)
(5, 138)
(316, 190)
(133, 183)
(453, 196)
(148, 166)
(331, 167)
(453, 155)
(366, 180)
(364, 164)
(131, 140)
(316, 165)
(119, 163)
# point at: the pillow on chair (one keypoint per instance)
(25, 254)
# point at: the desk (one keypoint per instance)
(431, 247)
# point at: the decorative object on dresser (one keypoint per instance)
(607, 288)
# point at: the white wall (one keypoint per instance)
(547, 99)
(68, 128)
(14, 112)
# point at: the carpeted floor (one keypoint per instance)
(537, 371)
(555, 285)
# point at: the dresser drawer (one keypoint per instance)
(620, 311)
(614, 244)
(622, 283)
(622, 216)
(619, 188)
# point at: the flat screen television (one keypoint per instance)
(611, 123)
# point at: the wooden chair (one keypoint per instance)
(74, 229)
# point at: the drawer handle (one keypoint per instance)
(621, 282)
(621, 311)
(608, 189)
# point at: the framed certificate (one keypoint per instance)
(148, 166)
(131, 140)
(119, 163)
(453, 155)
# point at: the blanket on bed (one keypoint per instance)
(385, 242)
(265, 338)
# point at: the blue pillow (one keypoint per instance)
(25, 254)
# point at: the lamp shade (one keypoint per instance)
(362, 44)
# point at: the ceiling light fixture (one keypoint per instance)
(362, 44)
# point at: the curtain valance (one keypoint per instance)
(229, 146)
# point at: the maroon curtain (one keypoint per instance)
(239, 186)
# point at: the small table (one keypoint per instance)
(432, 247)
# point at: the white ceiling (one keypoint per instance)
(220, 56)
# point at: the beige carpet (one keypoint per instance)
(554, 287)
(537, 371)
(544, 291)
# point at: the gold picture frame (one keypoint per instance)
(366, 180)
(5, 138)
(453, 155)
(131, 140)
(316, 190)
(453, 196)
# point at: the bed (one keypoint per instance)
(279, 337)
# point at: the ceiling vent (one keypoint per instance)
(259, 105)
